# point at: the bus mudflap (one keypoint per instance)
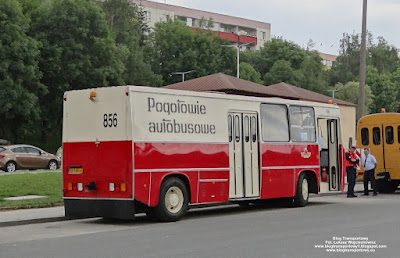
(113, 209)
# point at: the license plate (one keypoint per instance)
(75, 171)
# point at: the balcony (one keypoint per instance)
(232, 37)
(247, 39)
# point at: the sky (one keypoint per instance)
(323, 21)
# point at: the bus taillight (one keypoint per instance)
(324, 174)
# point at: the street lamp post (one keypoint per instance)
(238, 53)
(333, 92)
(363, 63)
(183, 74)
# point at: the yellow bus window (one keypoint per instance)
(389, 134)
(376, 134)
(398, 133)
(365, 136)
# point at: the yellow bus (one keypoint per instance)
(381, 133)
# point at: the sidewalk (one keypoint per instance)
(42, 215)
(358, 188)
(28, 216)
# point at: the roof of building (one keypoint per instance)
(327, 57)
(198, 14)
(220, 82)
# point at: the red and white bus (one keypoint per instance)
(131, 149)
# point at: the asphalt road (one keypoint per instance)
(229, 231)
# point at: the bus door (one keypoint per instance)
(392, 147)
(333, 148)
(243, 155)
(328, 141)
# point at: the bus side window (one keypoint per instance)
(246, 128)
(365, 136)
(302, 124)
(274, 123)
(254, 128)
(230, 128)
(376, 135)
(237, 128)
(398, 134)
(389, 134)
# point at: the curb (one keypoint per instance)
(63, 218)
(335, 193)
(31, 221)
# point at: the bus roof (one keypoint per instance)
(219, 95)
(380, 118)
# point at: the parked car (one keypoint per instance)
(13, 157)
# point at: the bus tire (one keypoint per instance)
(302, 194)
(244, 204)
(386, 186)
(173, 201)
(151, 214)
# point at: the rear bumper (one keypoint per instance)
(114, 209)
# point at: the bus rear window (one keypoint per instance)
(376, 134)
(389, 134)
(365, 136)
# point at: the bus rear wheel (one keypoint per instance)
(386, 186)
(173, 200)
(302, 194)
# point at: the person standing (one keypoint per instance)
(351, 165)
(369, 163)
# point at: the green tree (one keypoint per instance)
(346, 67)
(283, 61)
(281, 71)
(385, 90)
(20, 86)
(384, 56)
(247, 72)
(78, 52)
(275, 50)
(175, 48)
(311, 75)
(349, 92)
(126, 20)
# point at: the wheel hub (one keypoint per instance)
(11, 167)
(304, 189)
(174, 199)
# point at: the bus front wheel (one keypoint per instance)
(173, 200)
(301, 197)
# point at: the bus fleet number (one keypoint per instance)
(110, 120)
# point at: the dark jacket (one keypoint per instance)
(351, 159)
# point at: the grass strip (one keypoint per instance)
(45, 184)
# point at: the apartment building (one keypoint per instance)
(237, 30)
(328, 60)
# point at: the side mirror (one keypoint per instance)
(350, 142)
